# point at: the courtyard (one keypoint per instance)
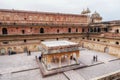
(23, 67)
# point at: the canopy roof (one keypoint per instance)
(49, 47)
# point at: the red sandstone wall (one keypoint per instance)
(38, 17)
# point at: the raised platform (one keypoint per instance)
(46, 72)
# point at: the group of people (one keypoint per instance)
(28, 53)
(95, 58)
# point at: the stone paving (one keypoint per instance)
(86, 57)
(17, 62)
(21, 62)
(99, 70)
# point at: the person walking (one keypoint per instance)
(96, 58)
(93, 58)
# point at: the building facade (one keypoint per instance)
(21, 31)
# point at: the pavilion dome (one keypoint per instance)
(96, 15)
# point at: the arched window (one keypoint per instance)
(58, 31)
(106, 29)
(41, 30)
(23, 31)
(9, 49)
(90, 30)
(117, 43)
(57, 39)
(2, 51)
(83, 30)
(4, 31)
(76, 29)
(95, 30)
(99, 30)
(106, 50)
(98, 40)
(93, 39)
(117, 31)
(69, 30)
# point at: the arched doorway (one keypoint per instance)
(2, 51)
(83, 30)
(99, 30)
(41, 30)
(57, 30)
(76, 29)
(9, 49)
(106, 50)
(25, 49)
(23, 31)
(69, 30)
(4, 31)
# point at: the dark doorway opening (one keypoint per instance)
(4, 31)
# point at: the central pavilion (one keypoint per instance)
(58, 54)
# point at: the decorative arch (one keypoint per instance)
(106, 50)
(2, 51)
(9, 49)
(4, 31)
(99, 29)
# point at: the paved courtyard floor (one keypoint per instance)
(23, 67)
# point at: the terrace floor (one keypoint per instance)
(23, 67)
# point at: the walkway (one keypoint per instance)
(73, 75)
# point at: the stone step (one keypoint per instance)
(72, 75)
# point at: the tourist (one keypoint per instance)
(94, 58)
(29, 52)
(40, 58)
(9, 52)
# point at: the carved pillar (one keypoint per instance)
(77, 56)
(60, 61)
(49, 59)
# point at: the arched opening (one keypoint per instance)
(69, 30)
(83, 30)
(23, 31)
(41, 30)
(90, 30)
(99, 30)
(9, 49)
(57, 30)
(2, 51)
(93, 39)
(76, 29)
(25, 40)
(106, 50)
(117, 43)
(117, 31)
(57, 39)
(98, 40)
(4, 31)
(95, 30)
(106, 29)
(25, 49)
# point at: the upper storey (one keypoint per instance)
(19, 16)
